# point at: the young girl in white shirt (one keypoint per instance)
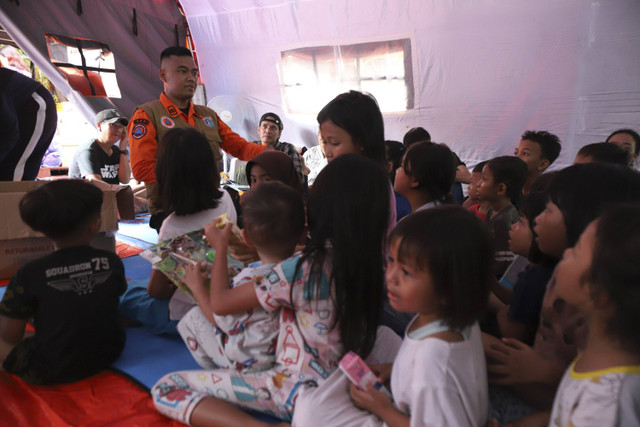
(440, 268)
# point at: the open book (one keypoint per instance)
(174, 255)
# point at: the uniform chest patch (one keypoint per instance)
(208, 121)
(138, 131)
(167, 122)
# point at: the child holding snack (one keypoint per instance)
(600, 276)
(274, 222)
(71, 294)
(330, 300)
(440, 268)
(501, 187)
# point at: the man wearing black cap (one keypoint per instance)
(269, 130)
(101, 160)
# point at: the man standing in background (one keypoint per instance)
(151, 121)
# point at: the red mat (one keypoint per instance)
(124, 249)
(106, 399)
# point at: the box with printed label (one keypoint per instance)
(20, 244)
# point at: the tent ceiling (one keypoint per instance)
(111, 22)
(220, 7)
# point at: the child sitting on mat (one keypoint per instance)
(439, 267)
(273, 224)
(72, 294)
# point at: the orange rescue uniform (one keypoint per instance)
(151, 121)
(144, 132)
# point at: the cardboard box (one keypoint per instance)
(124, 198)
(15, 253)
(20, 244)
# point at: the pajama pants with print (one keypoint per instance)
(271, 392)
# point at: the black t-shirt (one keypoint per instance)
(73, 296)
(528, 293)
(92, 159)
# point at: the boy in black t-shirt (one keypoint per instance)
(72, 294)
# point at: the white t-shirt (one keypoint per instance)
(435, 382)
(176, 225)
(610, 397)
(441, 383)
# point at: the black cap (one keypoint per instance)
(273, 118)
(110, 116)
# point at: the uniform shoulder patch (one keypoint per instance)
(141, 122)
(139, 131)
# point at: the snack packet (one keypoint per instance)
(359, 373)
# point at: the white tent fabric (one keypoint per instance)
(137, 57)
(484, 70)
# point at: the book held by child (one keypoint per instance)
(174, 255)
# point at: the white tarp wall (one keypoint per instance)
(483, 70)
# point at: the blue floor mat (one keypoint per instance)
(137, 229)
(148, 357)
(137, 268)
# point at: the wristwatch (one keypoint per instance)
(125, 152)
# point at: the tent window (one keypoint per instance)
(88, 65)
(311, 77)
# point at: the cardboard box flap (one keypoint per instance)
(18, 186)
(11, 192)
(124, 198)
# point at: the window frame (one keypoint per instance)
(84, 78)
(363, 50)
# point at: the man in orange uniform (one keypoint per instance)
(151, 121)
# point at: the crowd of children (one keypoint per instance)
(335, 272)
